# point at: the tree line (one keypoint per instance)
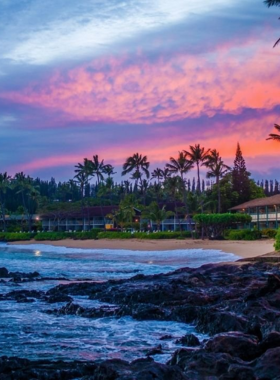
(93, 184)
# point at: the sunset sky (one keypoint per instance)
(116, 77)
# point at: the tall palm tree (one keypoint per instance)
(108, 170)
(29, 193)
(158, 174)
(137, 164)
(271, 3)
(84, 172)
(156, 214)
(97, 168)
(275, 136)
(172, 186)
(197, 155)
(181, 165)
(82, 180)
(5, 184)
(216, 169)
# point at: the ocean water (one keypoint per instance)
(27, 331)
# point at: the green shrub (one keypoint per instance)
(277, 240)
(79, 235)
(82, 235)
(115, 235)
(41, 236)
(16, 236)
(244, 234)
(144, 235)
(270, 232)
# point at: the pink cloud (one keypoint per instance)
(163, 91)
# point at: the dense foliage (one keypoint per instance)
(277, 241)
(214, 225)
(21, 197)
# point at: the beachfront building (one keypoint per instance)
(97, 217)
(265, 212)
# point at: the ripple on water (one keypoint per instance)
(27, 331)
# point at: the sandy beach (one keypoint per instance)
(244, 249)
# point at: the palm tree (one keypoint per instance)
(274, 136)
(216, 169)
(97, 168)
(158, 174)
(108, 170)
(82, 180)
(271, 3)
(181, 165)
(137, 163)
(84, 171)
(5, 184)
(156, 214)
(173, 186)
(197, 155)
(29, 194)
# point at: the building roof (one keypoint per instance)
(259, 202)
(84, 212)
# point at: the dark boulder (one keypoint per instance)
(235, 344)
(189, 340)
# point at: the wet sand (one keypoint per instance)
(244, 249)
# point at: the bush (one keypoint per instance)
(51, 236)
(277, 242)
(244, 235)
(79, 235)
(270, 232)
(82, 235)
(16, 236)
(115, 235)
(144, 235)
(214, 225)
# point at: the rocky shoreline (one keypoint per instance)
(237, 304)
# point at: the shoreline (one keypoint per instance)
(244, 249)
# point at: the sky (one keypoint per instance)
(117, 77)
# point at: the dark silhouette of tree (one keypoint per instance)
(137, 164)
(216, 169)
(180, 165)
(97, 168)
(159, 174)
(275, 136)
(197, 155)
(240, 177)
(271, 3)
(5, 184)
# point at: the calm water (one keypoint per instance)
(27, 331)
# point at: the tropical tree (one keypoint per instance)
(125, 213)
(5, 184)
(137, 164)
(275, 136)
(98, 168)
(156, 214)
(197, 155)
(158, 174)
(180, 166)
(84, 172)
(30, 195)
(108, 170)
(216, 169)
(271, 3)
(173, 185)
(82, 180)
(240, 177)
